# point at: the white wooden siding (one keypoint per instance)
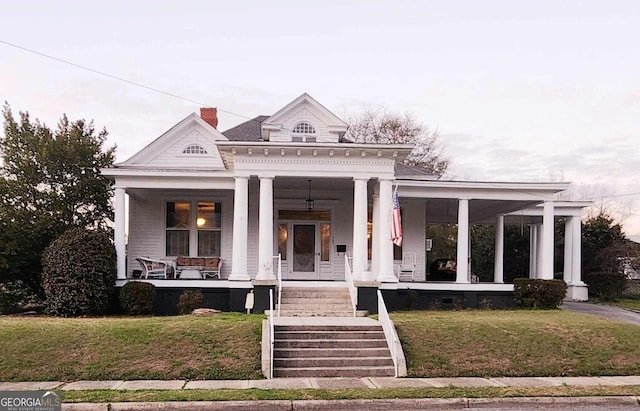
(252, 236)
(342, 233)
(146, 230)
(413, 230)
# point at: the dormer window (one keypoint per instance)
(303, 132)
(194, 149)
(304, 128)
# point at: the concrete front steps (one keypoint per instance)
(317, 302)
(331, 351)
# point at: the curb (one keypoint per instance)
(374, 405)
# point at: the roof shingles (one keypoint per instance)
(247, 131)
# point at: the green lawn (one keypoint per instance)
(227, 346)
(516, 343)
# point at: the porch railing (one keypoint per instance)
(278, 259)
(389, 331)
(271, 333)
(353, 291)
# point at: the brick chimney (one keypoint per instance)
(210, 115)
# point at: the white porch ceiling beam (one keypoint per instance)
(177, 183)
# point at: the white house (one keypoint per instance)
(289, 184)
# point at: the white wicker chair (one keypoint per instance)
(153, 268)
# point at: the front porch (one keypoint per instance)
(226, 295)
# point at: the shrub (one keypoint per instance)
(79, 273)
(189, 301)
(137, 298)
(9, 299)
(606, 285)
(411, 300)
(16, 296)
(536, 293)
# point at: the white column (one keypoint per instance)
(375, 240)
(539, 248)
(360, 258)
(462, 265)
(576, 255)
(547, 241)
(568, 250)
(239, 271)
(498, 273)
(265, 230)
(533, 250)
(119, 233)
(385, 245)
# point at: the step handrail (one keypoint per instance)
(353, 291)
(279, 280)
(389, 331)
(271, 333)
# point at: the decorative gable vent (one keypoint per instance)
(194, 149)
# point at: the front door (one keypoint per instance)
(304, 243)
(304, 264)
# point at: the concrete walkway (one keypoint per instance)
(325, 383)
(601, 310)
(519, 403)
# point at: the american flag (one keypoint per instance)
(396, 222)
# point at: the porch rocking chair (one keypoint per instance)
(153, 268)
(407, 270)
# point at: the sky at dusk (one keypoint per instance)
(519, 90)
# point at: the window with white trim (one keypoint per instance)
(194, 149)
(193, 222)
(304, 128)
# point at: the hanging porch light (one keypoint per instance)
(308, 204)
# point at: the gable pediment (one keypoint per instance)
(190, 144)
(303, 120)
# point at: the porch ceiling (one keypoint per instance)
(444, 210)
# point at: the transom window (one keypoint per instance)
(194, 149)
(193, 228)
(304, 128)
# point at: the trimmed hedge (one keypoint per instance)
(137, 298)
(190, 300)
(537, 293)
(606, 285)
(79, 273)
